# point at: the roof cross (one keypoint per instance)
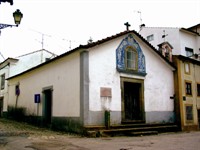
(127, 26)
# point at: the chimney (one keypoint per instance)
(166, 50)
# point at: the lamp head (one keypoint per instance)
(17, 16)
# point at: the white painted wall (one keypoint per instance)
(103, 73)
(158, 83)
(190, 41)
(172, 37)
(63, 75)
(28, 61)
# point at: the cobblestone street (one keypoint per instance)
(20, 136)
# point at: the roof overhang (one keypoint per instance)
(189, 31)
(7, 62)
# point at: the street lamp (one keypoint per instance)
(17, 18)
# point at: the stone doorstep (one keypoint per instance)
(148, 130)
(142, 133)
(129, 127)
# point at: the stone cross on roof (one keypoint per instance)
(127, 25)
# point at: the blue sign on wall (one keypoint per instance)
(37, 98)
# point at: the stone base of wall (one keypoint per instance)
(190, 128)
(67, 124)
(160, 117)
(98, 118)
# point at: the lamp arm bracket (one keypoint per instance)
(2, 26)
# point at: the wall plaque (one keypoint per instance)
(105, 92)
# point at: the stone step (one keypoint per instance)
(142, 133)
(131, 130)
(129, 126)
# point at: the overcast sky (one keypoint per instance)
(69, 23)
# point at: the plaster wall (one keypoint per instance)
(103, 73)
(28, 61)
(62, 75)
(190, 41)
(172, 37)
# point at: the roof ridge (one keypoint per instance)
(164, 27)
(35, 52)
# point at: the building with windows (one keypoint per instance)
(122, 74)
(186, 50)
(13, 66)
(187, 85)
(185, 41)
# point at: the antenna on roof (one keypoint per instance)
(70, 43)
(42, 40)
(2, 56)
(139, 12)
(164, 35)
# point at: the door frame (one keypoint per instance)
(1, 106)
(44, 115)
(141, 96)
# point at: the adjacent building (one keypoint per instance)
(13, 66)
(187, 85)
(184, 44)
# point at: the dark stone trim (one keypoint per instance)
(67, 124)
(84, 87)
(132, 72)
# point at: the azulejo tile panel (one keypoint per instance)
(120, 56)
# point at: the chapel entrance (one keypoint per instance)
(132, 100)
(47, 106)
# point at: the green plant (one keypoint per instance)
(16, 113)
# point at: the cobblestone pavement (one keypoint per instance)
(17, 136)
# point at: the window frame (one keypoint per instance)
(191, 113)
(187, 93)
(150, 37)
(187, 63)
(129, 49)
(189, 50)
(3, 81)
(198, 89)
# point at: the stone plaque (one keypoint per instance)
(105, 92)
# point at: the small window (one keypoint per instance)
(187, 68)
(2, 81)
(150, 38)
(131, 58)
(189, 52)
(47, 59)
(189, 112)
(198, 89)
(188, 88)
